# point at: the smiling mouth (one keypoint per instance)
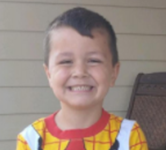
(80, 88)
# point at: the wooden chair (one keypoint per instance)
(148, 107)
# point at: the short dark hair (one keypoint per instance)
(83, 21)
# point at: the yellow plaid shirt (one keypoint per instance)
(100, 136)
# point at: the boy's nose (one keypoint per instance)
(80, 70)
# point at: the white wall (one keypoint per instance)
(24, 91)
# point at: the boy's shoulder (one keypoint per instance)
(36, 127)
(118, 120)
(39, 124)
(121, 124)
(114, 119)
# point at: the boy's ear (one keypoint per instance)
(46, 71)
(115, 74)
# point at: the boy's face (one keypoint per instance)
(80, 70)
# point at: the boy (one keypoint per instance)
(81, 64)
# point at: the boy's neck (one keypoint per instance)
(69, 118)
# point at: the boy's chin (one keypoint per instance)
(78, 106)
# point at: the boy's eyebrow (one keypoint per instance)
(70, 54)
(64, 54)
(98, 53)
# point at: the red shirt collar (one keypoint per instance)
(76, 133)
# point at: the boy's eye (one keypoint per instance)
(65, 62)
(94, 61)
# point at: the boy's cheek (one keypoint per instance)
(102, 75)
(60, 75)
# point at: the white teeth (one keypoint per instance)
(80, 88)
